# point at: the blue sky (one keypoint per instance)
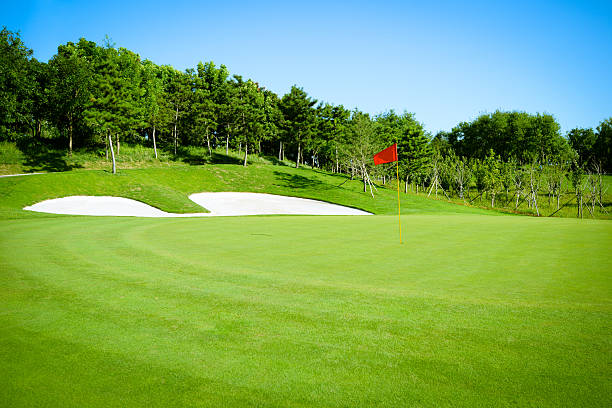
(446, 61)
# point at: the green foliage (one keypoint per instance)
(603, 145)
(18, 86)
(299, 119)
(509, 134)
(583, 142)
(492, 179)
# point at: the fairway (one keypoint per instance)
(471, 310)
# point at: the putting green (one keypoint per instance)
(470, 310)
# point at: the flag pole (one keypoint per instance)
(399, 217)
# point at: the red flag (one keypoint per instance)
(386, 156)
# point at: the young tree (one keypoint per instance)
(534, 178)
(152, 98)
(361, 146)
(518, 181)
(492, 176)
(576, 177)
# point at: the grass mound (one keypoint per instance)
(168, 188)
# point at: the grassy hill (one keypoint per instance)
(295, 311)
(14, 160)
(168, 188)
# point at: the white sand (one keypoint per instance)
(219, 204)
(15, 175)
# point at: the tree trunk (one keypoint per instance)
(175, 130)
(337, 162)
(297, 159)
(117, 135)
(70, 138)
(154, 144)
(246, 153)
(106, 146)
(110, 142)
(280, 150)
(518, 196)
(227, 144)
(239, 148)
(208, 143)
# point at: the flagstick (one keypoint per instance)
(399, 217)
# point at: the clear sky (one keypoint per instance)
(446, 61)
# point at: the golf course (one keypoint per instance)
(305, 204)
(474, 308)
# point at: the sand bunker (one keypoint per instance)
(219, 204)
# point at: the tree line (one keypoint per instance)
(92, 96)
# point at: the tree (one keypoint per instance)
(153, 97)
(17, 85)
(178, 93)
(583, 142)
(492, 176)
(360, 147)
(576, 178)
(509, 134)
(69, 88)
(534, 179)
(603, 145)
(273, 120)
(299, 118)
(130, 95)
(103, 110)
(249, 113)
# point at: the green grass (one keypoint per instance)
(471, 310)
(168, 188)
(39, 158)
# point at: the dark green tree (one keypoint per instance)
(299, 119)
(603, 145)
(583, 142)
(70, 82)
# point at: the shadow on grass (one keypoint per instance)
(195, 159)
(40, 158)
(297, 181)
(275, 161)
